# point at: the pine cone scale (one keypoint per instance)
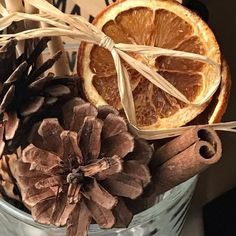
(11, 124)
(113, 125)
(40, 47)
(123, 185)
(104, 111)
(39, 84)
(7, 99)
(6, 178)
(43, 211)
(137, 171)
(47, 164)
(32, 106)
(90, 136)
(110, 165)
(44, 67)
(74, 193)
(48, 128)
(122, 214)
(62, 211)
(115, 166)
(79, 220)
(7, 55)
(51, 181)
(58, 91)
(17, 73)
(80, 113)
(99, 195)
(120, 144)
(33, 196)
(104, 217)
(70, 146)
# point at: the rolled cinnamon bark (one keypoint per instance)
(186, 156)
(29, 24)
(17, 6)
(61, 66)
(182, 142)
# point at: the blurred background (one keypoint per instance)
(222, 20)
(218, 216)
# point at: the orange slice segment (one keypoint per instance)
(159, 23)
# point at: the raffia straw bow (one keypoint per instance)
(76, 27)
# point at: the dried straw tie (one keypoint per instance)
(76, 27)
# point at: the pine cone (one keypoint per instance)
(8, 186)
(71, 175)
(25, 95)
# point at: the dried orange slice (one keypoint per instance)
(160, 23)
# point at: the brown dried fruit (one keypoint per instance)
(69, 177)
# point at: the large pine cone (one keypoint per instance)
(81, 170)
(26, 96)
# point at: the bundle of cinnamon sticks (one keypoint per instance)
(185, 157)
(177, 161)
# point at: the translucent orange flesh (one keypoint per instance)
(159, 28)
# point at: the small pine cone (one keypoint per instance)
(82, 169)
(26, 96)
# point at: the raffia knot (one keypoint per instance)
(107, 43)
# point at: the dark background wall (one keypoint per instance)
(222, 177)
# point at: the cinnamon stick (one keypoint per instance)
(2, 2)
(29, 24)
(181, 143)
(184, 157)
(61, 67)
(17, 6)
